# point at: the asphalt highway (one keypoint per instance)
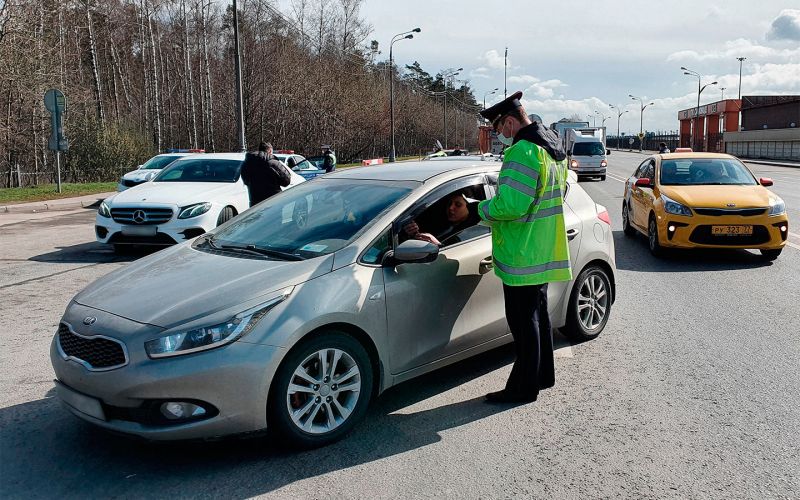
(691, 391)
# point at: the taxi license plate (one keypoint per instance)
(731, 230)
(82, 403)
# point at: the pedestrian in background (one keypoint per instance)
(662, 148)
(529, 242)
(263, 174)
(330, 159)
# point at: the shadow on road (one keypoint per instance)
(49, 453)
(93, 252)
(633, 255)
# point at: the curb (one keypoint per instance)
(54, 205)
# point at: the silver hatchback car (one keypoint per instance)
(297, 313)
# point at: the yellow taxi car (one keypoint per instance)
(703, 200)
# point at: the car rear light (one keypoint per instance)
(574, 164)
(603, 216)
(603, 163)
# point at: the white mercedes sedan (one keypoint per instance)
(191, 196)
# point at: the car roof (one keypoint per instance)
(221, 156)
(684, 156)
(419, 171)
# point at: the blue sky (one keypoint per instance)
(580, 56)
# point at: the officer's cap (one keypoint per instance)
(502, 108)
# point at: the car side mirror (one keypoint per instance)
(413, 251)
(765, 181)
(608, 151)
(644, 182)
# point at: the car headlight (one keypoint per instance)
(104, 210)
(194, 210)
(673, 207)
(777, 207)
(211, 337)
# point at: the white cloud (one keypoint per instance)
(786, 26)
(494, 59)
(481, 72)
(737, 48)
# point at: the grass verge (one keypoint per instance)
(10, 196)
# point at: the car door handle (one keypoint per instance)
(486, 264)
(572, 233)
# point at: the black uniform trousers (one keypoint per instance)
(529, 321)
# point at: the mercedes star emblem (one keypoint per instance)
(139, 216)
(89, 320)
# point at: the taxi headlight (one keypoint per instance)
(777, 207)
(194, 210)
(211, 337)
(673, 207)
(104, 210)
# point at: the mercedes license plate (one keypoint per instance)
(731, 230)
(82, 403)
(139, 230)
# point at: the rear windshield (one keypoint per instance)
(705, 171)
(159, 162)
(588, 149)
(201, 170)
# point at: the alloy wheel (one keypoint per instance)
(592, 302)
(323, 391)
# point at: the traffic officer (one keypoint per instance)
(529, 242)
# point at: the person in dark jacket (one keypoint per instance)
(329, 164)
(263, 174)
(662, 148)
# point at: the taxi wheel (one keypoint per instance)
(652, 238)
(225, 215)
(770, 255)
(626, 223)
(589, 305)
(320, 392)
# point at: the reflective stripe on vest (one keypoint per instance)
(522, 271)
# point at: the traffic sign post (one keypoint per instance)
(56, 104)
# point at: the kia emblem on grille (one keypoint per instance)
(89, 320)
(731, 205)
(139, 216)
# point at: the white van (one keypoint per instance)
(586, 152)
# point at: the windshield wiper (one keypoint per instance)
(255, 250)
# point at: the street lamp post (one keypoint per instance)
(486, 94)
(603, 117)
(699, 91)
(238, 70)
(740, 59)
(619, 115)
(722, 98)
(643, 106)
(445, 76)
(402, 36)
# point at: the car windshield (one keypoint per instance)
(310, 219)
(705, 171)
(588, 149)
(201, 170)
(159, 162)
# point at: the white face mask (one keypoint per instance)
(508, 141)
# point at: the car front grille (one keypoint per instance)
(129, 183)
(96, 353)
(742, 212)
(141, 216)
(702, 235)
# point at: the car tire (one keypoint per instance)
(770, 255)
(652, 238)
(328, 412)
(589, 304)
(602, 177)
(626, 222)
(225, 215)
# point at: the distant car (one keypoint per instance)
(193, 195)
(703, 200)
(300, 165)
(149, 169)
(294, 319)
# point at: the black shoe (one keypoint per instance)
(506, 397)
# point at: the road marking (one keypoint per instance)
(616, 178)
(793, 245)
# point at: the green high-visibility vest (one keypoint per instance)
(529, 239)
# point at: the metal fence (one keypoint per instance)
(773, 150)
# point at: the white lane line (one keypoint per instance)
(793, 245)
(616, 178)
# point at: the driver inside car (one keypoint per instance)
(460, 213)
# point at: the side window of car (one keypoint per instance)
(449, 215)
(650, 170)
(640, 171)
(374, 254)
